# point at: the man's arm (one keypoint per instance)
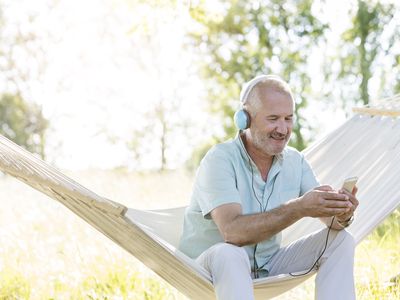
(239, 229)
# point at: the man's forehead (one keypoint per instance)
(276, 103)
(267, 89)
(275, 98)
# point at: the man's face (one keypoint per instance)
(272, 126)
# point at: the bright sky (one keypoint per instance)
(94, 91)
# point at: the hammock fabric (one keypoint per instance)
(367, 146)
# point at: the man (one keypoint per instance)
(248, 190)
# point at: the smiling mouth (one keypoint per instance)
(279, 137)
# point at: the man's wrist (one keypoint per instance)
(296, 208)
(345, 223)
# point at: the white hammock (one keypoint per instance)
(366, 146)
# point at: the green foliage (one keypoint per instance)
(166, 65)
(113, 284)
(362, 45)
(23, 123)
(13, 286)
(198, 155)
(122, 290)
(236, 40)
(382, 243)
(243, 39)
(117, 283)
(390, 228)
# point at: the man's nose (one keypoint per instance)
(282, 127)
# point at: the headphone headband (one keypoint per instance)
(248, 86)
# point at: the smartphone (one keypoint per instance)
(349, 184)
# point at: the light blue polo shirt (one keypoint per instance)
(225, 176)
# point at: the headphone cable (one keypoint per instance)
(263, 209)
(319, 257)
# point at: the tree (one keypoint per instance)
(23, 123)
(20, 64)
(240, 39)
(161, 58)
(364, 45)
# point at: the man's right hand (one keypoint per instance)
(323, 201)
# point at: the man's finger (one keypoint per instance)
(335, 196)
(338, 204)
(351, 196)
(324, 187)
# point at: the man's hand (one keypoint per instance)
(340, 218)
(323, 201)
(354, 204)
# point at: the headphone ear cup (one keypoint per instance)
(242, 119)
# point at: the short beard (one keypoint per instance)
(261, 143)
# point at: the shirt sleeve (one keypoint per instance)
(308, 180)
(215, 183)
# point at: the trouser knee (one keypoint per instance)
(229, 257)
(230, 271)
(347, 243)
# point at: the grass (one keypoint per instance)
(46, 252)
(118, 282)
(377, 260)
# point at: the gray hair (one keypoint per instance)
(250, 94)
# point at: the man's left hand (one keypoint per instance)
(352, 198)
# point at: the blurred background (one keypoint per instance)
(126, 96)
